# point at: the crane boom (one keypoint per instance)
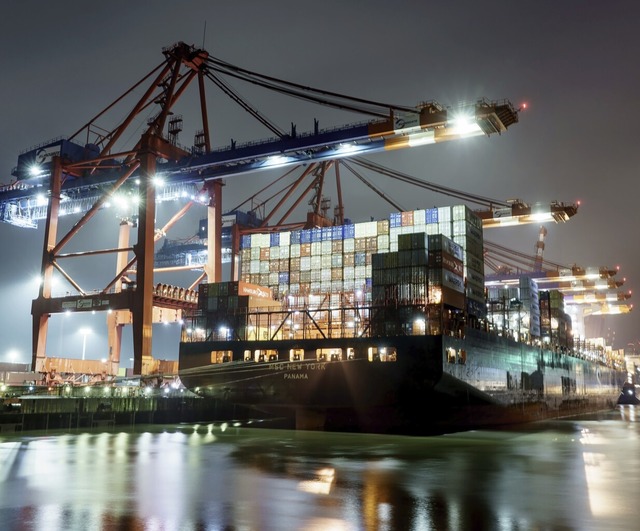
(519, 213)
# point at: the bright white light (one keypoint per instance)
(85, 332)
(41, 200)
(421, 139)
(275, 160)
(463, 125)
(158, 181)
(35, 170)
(348, 148)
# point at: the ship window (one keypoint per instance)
(296, 354)
(221, 356)
(382, 354)
(462, 356)
(333, 354)
(266, 355)
(451, 355)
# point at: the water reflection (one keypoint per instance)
(580, 474)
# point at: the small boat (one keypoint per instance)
(628, 395)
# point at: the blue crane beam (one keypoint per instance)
(23, 200)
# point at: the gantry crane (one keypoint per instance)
(591, 286)
(94, 164)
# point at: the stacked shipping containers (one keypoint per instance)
(335, 260)
(555, 323)
(520, 303)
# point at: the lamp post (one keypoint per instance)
(85, 332)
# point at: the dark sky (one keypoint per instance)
(574, 63)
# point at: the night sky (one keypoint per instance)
(573, 63)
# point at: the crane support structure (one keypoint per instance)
(84, 172)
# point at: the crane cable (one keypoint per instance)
(304, 92)
(476, 199)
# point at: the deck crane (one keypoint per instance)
(84, 172)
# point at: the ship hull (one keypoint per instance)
(433, 384)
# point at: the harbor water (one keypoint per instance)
(564, 474)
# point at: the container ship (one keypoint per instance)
(386, 327)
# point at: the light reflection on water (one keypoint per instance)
(570, 474)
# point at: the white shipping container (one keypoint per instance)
(325, 247)
(316, 248)
(371, 228)
(305, 263)
(264, 266)
(294, 250)
(444, 214)
(254, 267)
(444, 228)
(285, 238)
(284, 251)
(383, 243)
(432, 228)
(349, 245)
